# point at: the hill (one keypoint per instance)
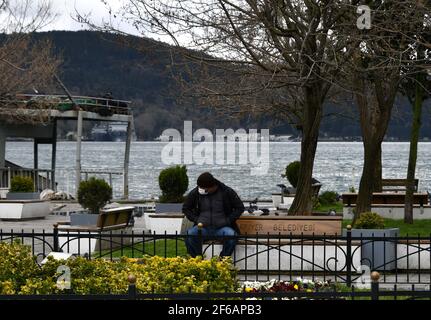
(96, 63)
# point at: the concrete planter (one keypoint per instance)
(288, 257)
(23, 209)
(93, 242)
(169, 223)
(277, 199)
(378, 255)
(393, 211)
(83, 219)
(23, 196)
(288, 200)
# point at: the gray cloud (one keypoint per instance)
(66, 10)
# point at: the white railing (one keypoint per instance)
(107, 175)
(43, 178)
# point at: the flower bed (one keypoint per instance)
(20, 274)
(299, 285)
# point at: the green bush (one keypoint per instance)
(21, 184)
(292, 173)
(369, 220)
(16, 266)
(328, 198)
(94, 193)
(173, 182)
(19, 274)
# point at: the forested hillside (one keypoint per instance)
(96, 63)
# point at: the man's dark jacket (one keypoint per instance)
(233, 206)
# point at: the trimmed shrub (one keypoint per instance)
(369, 220)
(93, 194)
(173, 182)
(21, 184)
(328, 198)
(19, 274)
(292, 173)
(16, 266)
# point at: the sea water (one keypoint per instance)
(338, 165)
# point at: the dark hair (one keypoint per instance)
(206, 180)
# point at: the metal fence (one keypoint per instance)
(375, 293)
(345, 259)
(42, 178)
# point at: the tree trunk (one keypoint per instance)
(377, 179)
(366, 186)
(375, 101)
(303, 202)
(411, 168)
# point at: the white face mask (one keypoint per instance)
(202, 192)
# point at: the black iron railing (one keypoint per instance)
(401, 260)
(375, 293)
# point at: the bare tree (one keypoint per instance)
(283, 57)
(416, 89)
(26, 65)
(378, 66)
(256, 57)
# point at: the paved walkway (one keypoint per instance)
(60, 214)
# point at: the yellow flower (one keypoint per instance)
(248, 289)
(296, 287)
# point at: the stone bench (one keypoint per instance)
(289, 255)
(390, 205)
(23, 209)
(379, 198)
(172, 223)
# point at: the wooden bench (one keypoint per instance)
(108, 219)
(273, 225)
(396, 185)
(421, 199)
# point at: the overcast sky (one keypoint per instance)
(67, 8)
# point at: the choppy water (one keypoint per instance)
(338, 165)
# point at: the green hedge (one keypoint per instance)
(328, 198)
(173, 182)
(19, 274)
(21, 184)
(292, 173)
(93, 194)
(369, 220)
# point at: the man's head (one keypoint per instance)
(206, 183)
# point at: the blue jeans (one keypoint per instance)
(194, 245)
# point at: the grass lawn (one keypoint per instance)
(419, 227)
(422, 227)
(173, 249)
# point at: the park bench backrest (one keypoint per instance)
(113, 217)
(315, 189)
(421, 199)
(400, 183)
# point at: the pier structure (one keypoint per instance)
(36, 117)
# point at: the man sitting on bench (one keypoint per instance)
(216, 207)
